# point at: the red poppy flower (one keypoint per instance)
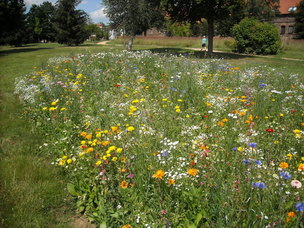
(270, 130)
(117, 85)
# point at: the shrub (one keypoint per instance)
(256, 37)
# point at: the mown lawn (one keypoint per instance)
(32, 191)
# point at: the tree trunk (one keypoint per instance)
(210, 35)
(130, 44)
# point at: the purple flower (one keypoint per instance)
(252, 144)
(258, 162)
(300, 207)
(258, 185)
(285, 175)
(131, 176)
(263, 85)
(246, 161)
(234, 149)
(165, 153)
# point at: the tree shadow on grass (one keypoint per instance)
(15, 50)
(198, 54)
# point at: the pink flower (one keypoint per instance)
(163, 212)
(296, 184)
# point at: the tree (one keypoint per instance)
(195, 10)
(133, 16)
(253, 36)
(299, 16)
(12, 22)
(39, 22)
(70, 23)
(262, 10)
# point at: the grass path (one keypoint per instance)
(32, 192)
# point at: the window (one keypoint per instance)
(283, 27)
(290, 29)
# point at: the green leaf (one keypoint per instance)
(103, 225)
(72, 190)
(199, 217)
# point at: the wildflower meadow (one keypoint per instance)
(157, 140)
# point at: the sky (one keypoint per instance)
(92, 7)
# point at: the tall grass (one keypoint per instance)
(32, 192)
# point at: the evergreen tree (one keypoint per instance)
(133, 16)
(70, 23)
(12, 22)
(39, 22)
(299, 15)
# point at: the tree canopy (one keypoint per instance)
(133, 16)
(299, 15)
(194, 10)
(69, 23)
(40, 22)
(12, 22)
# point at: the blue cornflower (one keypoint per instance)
(258, 162)
(252, 144)
(165, 153)
(263, 85)
(259, 185)
(246, 161)
(300, 207)
(234, 149)
(285, 175)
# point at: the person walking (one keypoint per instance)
(204, 44)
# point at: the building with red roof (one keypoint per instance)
(285, 19)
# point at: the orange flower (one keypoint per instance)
(301, 167)
(220, 123)
(283, 165)
(171, 181)
(126, 226)
(159, 174)
(291, 214)
(83, 134)
(192, 172)
(124, 184)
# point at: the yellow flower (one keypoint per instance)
(123, 184)
(52, 108)
(62, 162)
(123, 159)
(283, 165)
(130, 128)
(98, 163)
(177, 110)
(296, 131)
(111, 148)
(289, 156)
(119, 150)
(192, 172)
(301, 167)
(159, 174)
(114, 159)
(44, 108)
(62, 109)
(69, 161)
(54, 102)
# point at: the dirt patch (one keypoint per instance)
(82, 222)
